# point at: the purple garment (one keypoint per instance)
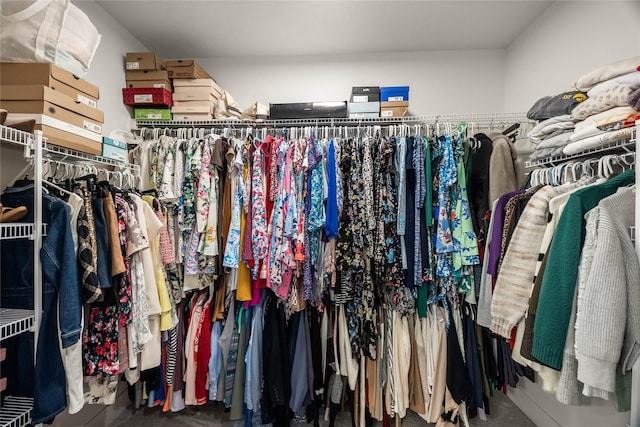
(498, 223)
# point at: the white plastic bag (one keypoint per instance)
(53, 31)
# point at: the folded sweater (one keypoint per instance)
(615, 96)
(634, 99)
(557, 105)
(612, 115)
(631, 79)
(606, 72)
(547, 127)
(596, 141)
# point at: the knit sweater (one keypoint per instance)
(513, 285)
(559, 281)
(556, 207)
(608, 320)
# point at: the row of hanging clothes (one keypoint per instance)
(561, 281)
(336, 272)
(83, 209)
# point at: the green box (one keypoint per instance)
(153, 114)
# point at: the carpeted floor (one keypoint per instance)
(503, 413)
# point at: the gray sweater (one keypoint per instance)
(608, 320)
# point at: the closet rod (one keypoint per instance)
(55, 152)
(480, 118)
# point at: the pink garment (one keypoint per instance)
(167, 253)
(190, 351)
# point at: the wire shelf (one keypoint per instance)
(16, 411)
(15, 136)
(480, 118)
(632, 231)
(624, 145)
(19, 230)
(15, 321)
(61, 153)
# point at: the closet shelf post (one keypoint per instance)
(37, 237)
(635, 380)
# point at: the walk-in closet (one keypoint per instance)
(324, 213)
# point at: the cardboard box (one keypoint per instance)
(153, 114)
(146, 96)
(184, 84)
(146, 75)
(364, 107)
(308, 110)
(70, 140)
(186, 69)
(393, 104)
(203, 94)
(144, 61)
(43, 100)
(164, 84)
(56, 123)
(202, 107)
(64, 134)
(192, 117)
(51, 76)
(394, 111)
(114, 149)
(365, 94)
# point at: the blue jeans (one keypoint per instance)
(46, 383)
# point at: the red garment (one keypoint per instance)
(202, 358)
(512, 339)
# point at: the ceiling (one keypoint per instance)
(214, 29)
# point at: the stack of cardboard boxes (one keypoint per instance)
(196, 92)
(148, 86)
(364, 102)
(63, 106)
(178, 89)
(394, 101)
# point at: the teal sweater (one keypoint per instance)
(559, 280)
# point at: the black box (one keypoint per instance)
(365, 94)
(309, 110)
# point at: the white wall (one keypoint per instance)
(567, 40)
(440, 81)
(107, 67)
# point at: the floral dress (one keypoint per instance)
(464, 237)
(447, 176)
(232, 250)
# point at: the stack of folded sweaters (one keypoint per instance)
(600, 110)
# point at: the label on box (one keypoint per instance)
(117, 156)
(133, 65)
(395, 98)
(90, 102)
(91, 126)
(386, 113)
(154, 116)
(162, 85)
(360, 98)
(139, 99)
